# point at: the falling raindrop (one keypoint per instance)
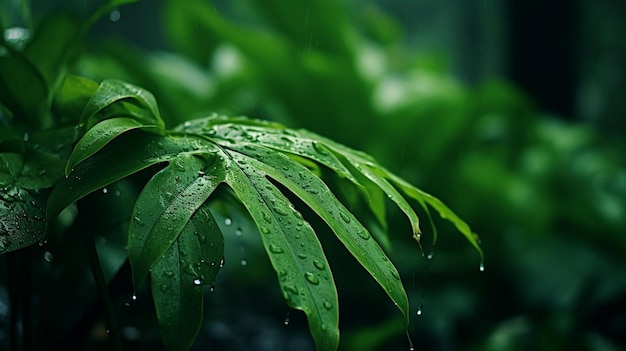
(197, 282)
(420, 310)
(286, 322)
(115, 16)
(244, 262)
(105, 190)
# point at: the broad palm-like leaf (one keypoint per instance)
(173, 236)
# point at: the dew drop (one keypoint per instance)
(394, 273)
(344, 217)
(328, 305)
(164, 287)
(319, 148)
(281, 211)
(197, 282)
(169, 274)
(275, 249)
(267, 217)
(238, 232)
(139, 221)
(134, 297)
(264, 230)
(302, 255)
(311, 278)
(228, 221)
(319, 265)
(292, 289)
(201, 174)
(364, 234)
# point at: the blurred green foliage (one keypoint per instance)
(547, 197)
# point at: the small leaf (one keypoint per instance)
(100, 135)
(178, 277)
(164, 207)
(111, 91)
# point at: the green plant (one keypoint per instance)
(65, 137)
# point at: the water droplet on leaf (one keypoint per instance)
(311, 278)
(319, 264)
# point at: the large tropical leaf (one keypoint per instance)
(173, 237)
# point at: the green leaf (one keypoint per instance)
(23, 90)
(112, 91)
(177, 279)
(147, 149)
(21, 218)
(54, 44)
(164, 207)
(293, 248)
(72, 97)
(100, 135)
(344, 224)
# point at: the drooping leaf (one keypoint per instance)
(293, 248)
(164, 207)
(343, 223)
(177, 279)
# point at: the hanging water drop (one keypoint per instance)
(430, 256)
(105, 190)
(482, 266)
(197, 282)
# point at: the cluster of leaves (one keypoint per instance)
(65, 137)
(487, 145)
